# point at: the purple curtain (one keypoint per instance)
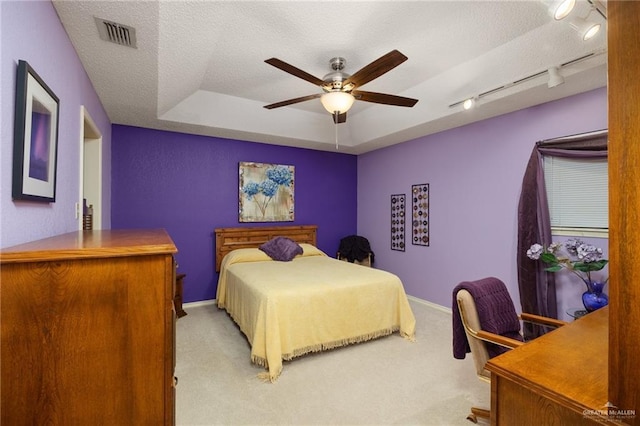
(537, 287)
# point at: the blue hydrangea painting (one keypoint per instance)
(266, 192)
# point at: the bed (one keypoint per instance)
(309, 304)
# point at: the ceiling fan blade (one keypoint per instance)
(341, 118)
(383, 98)
(376, 68)
(292, 101)
(294, 71)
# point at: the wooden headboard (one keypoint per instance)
(228, 239)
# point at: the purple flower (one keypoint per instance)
(589, 253)
(572, 245)
(535, 251)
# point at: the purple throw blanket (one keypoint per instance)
(495, 311)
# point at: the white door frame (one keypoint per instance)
(90, 168)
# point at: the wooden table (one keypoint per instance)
(558, 379)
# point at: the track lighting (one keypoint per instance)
(586, 29)
(555, 79)
(560, 9)
(468, 103)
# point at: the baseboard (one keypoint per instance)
(199, 303)
(430, 304)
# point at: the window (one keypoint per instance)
(577, 191)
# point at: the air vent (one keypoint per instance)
(116, 33)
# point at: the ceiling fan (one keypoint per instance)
(339, 89)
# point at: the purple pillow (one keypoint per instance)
(281, 248)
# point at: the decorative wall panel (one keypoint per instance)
(398, 218)
(420, 214)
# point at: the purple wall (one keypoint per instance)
(32, 31)
(188, 185)
(475, 175)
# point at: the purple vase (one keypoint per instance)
(594, 298)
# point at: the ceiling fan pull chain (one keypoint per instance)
(335, 116)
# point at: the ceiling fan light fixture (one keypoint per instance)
(337, 101)
(560, 9)
(339, 88)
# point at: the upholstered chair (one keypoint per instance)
(485, 311)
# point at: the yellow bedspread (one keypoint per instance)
(312, 303)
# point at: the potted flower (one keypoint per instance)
(580, 259)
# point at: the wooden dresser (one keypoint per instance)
(88, 329)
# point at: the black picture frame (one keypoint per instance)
(35, 142)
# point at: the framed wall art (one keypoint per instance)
(266, 192)
(420, 214)
(398, 213)
(35, 143)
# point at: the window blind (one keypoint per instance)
(577, 191)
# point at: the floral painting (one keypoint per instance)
(266, 192)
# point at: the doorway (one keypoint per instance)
(91, 174)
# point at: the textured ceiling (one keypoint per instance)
(199, 65)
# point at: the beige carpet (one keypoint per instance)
(389, 381)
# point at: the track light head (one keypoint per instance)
(555, 79)
(468, 104)
(560, 9)
(586, 29)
